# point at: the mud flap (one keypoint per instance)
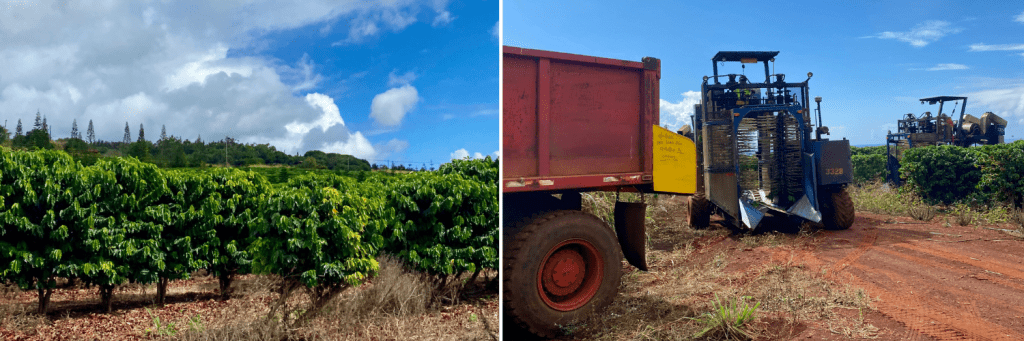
(629, 226)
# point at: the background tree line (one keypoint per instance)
(169, 151)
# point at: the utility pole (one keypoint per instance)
(226, 164)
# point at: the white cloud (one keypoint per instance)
(1000, 47)
(464, 154)
(357, 146)
(496, 30)
(1007, 102)
(946, 66)
(922, 34)
(398, 80)
(170, 66)
(497, 153)
(395, 146)
(390, 107)
(1019, 18)
(212, 62)
(460, 154)
(675, 115)
(443, 18)
(304, 73)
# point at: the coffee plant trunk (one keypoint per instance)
(44, 299)
(161, 291)
(106, 297)
(225, 278)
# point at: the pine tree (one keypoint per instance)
(199, 139)
(163, 132)
(39, 121)
(127, 134)
(74, 130)
(142, 134)
(18, 132)
(91, 134)
(46, 128)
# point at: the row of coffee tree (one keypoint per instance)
(945, 174)
(982, 174)
(125, 221)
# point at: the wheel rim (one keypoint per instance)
(570, 275)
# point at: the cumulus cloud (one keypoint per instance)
(464, 154)
(677, 114)
(998, 47)
(460, 154)
(390, 107)
(1007, 102)
(170, 66)
(496, 30)
(1019, 18)
(922, 34)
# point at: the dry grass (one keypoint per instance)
(399, 304)
(922, 213)
(878, 197)
(674, 299)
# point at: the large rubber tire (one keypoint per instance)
(544, 287)
(698, 211)
(837, 211)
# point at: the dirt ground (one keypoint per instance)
(928, 280)
(886, 278)
(194, 312)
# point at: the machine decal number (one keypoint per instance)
(834, 171)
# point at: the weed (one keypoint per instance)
(727, 320)
(922, 213)
(964, 214)
(160, 329)
(876, 197)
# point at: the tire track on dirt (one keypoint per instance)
(865, 244)
(917, 312)
(912, 311)
(952, 269)
(988, 264)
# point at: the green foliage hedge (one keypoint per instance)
(985, 174)
(122, 220)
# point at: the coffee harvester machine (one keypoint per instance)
(927, 130)
(756, 155)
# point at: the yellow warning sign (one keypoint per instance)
(675, 162)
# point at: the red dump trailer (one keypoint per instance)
(574, 124)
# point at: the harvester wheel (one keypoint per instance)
(699, 211)
(837, 210)
(561, 267)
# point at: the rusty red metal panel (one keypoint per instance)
(606, 181)
(594, 119)
(573, 122)
(570, 57)
(544, 117)
(519, 117)
(651, 95)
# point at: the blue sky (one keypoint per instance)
(871, 61)
(409, 80)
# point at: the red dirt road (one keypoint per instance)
(940, 282)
